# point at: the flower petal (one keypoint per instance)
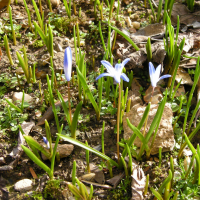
(46, 142)
(152, 74)
(68, 63)
(118, 68)
(108, 66)
(125, 61)
(164, 76)
(157, 73)
(104, 74)
(124, 77)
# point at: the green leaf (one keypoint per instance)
(75, 191)
(82, 145)
(23, 65)
(38, 146)
(75, 119)
(37, 161)
(42, 35)
(135, 130)
(65, 108)
(156, 194)
(88, 92)
(13, 106)
(165, 182)
(126, 37)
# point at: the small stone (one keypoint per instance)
(23, 185)
(38, 114)
(135, 7)
(150, 163)
(55, 3)
(136, 25)
(129, 10)
(66, 41)
(128, 21)
(116, 4)
(156, 159)
(155, 98)
(58, 47)
(2, 161)
(64, 150)
(18, 96)
(19, 71)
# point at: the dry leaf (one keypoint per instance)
(33, 173)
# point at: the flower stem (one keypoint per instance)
(118, 119)
(69, 103)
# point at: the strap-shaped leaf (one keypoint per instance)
(75, 119)
(126, 37)
(135, 130)
(37, 161)
(75, 191)
(65, 108)
(23, 65)
(88, 92)
(42, 35)
(38, 146)
(165, 182)
(82, 145)
(156, 194)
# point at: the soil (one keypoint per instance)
(89, 129)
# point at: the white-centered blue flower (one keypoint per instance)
(68, 63)
(46, 142)
(155, 74)
(116, 72)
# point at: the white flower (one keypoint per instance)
(116, 72)
(155, 74)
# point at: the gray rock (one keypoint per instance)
(23, 185)
(165, 135)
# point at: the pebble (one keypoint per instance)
(18, 96)
(136, 25)
(23, 185)
(55, 3)
(58, 48)
(19, 71)
(2, 161)
(128, 21)
(66, 41)
(129, 10)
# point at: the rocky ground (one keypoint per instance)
(20, 177)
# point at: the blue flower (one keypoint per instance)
(116, 72)
(68, 63)
(46, 142)
(155, 74)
